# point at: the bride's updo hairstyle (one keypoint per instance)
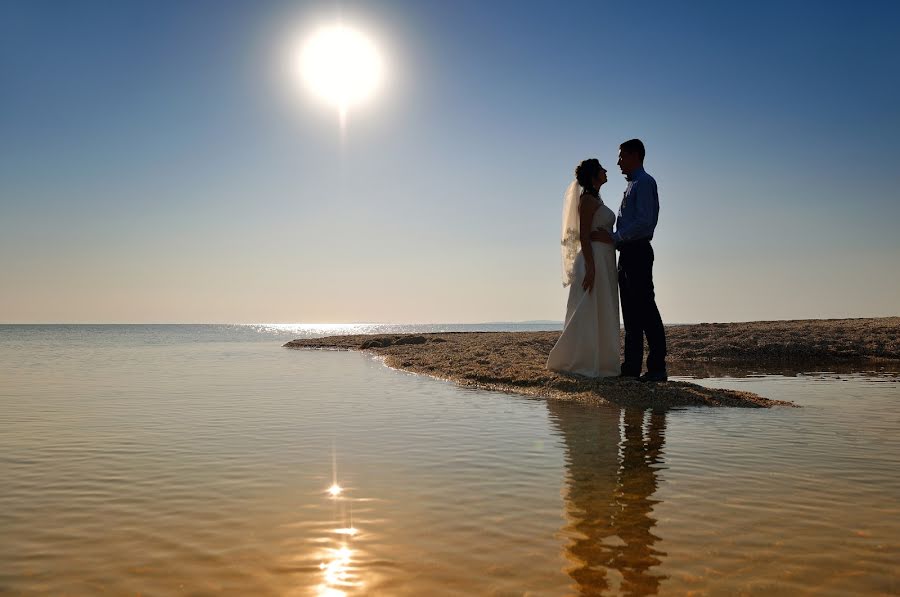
(585, 174)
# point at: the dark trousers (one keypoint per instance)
(639, 309)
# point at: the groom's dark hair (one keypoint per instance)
(634, 146)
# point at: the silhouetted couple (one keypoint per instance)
(589, 344)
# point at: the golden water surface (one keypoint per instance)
(165, 461)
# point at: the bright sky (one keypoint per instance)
(158, 164)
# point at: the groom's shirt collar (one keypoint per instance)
(636, 174)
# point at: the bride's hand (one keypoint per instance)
(588, 283)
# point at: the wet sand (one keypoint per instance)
(515, 361)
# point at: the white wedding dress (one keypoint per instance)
(589, 344)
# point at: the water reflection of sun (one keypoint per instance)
(339, 573)
(338, 570)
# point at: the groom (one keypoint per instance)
(635, 223)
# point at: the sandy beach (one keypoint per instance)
(514, 361)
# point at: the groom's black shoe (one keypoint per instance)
(628, 374)
(655, 376)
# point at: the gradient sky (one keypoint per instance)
(158, 165)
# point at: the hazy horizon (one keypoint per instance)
(159, 164)
(408, 323)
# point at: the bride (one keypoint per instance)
(589, 344)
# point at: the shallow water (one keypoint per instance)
(160, 460)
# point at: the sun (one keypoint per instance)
(341, 65)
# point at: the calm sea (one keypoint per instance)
(209, 460)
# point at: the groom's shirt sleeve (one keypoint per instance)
(639, 213)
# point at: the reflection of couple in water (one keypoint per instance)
(612, 456)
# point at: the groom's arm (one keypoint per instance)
(644, 216)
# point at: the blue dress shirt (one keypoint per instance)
(639, 210)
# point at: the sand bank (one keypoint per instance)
(514, 361)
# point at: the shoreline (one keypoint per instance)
(513, 362)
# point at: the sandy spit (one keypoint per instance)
(514, 361)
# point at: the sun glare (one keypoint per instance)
(341, 65)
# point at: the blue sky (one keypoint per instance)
(158, 164)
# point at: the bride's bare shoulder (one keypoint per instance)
(588, 200)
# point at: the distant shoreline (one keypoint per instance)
(514, 361)
(534, 322)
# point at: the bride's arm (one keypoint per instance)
(586, 209)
